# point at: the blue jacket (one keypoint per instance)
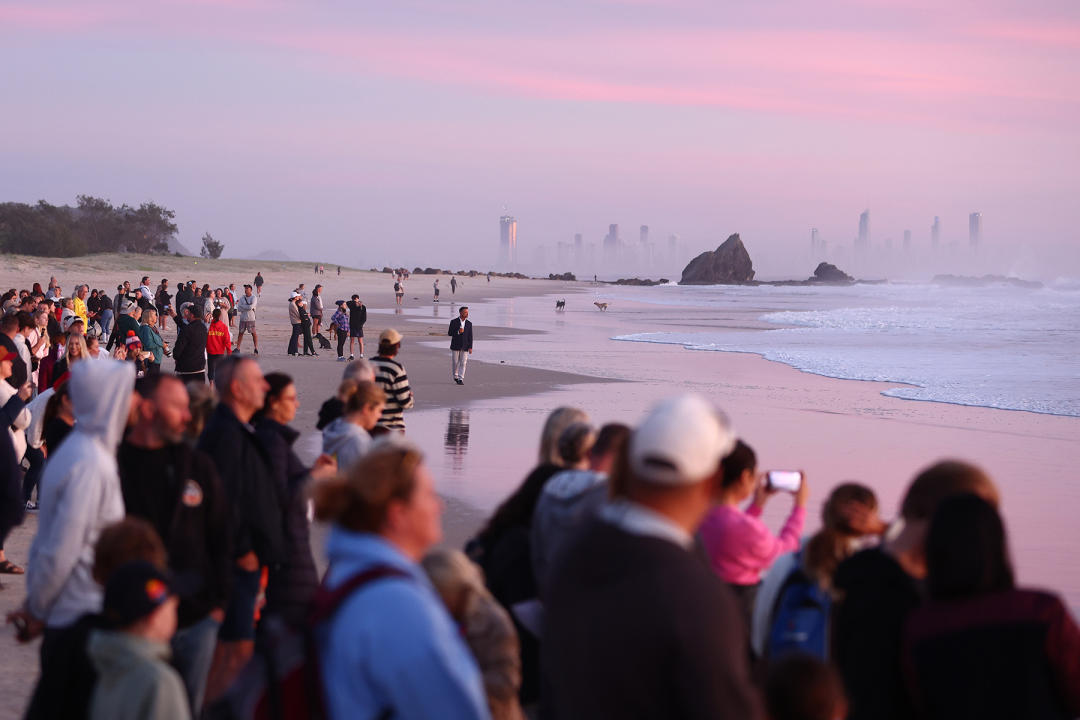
(392, 645)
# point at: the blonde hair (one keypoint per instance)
(359, 500)
(361, 394)
(453, 573)
(77, 340)
(559, 419)
(146, 313)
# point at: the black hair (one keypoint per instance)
(277, 382)
(967, 551)
(740, 459)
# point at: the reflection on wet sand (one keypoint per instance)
(457, 437)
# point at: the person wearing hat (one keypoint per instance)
(339, 325)
(460, 333)
(125, 323)
(635, 624)
(390, 375)
(135, 679)
(297, 325)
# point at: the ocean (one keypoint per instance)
(996, 346)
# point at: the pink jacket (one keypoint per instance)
(740, 547)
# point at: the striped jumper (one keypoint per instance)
(391, 377)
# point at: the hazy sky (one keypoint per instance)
(396, 131)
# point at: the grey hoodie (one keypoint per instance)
(567, 499)
(345, 441)
(80, 495)
(135, 681)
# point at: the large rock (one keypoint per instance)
(828, 273)
(729, 263)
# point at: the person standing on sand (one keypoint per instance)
(461, 344)
(399, 290)
(435, 286)
(357, 318)
(245, 305)
(453, 285)
(316, 309)
(189, 351)
(258, 283)
(391, 376)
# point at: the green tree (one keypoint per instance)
(211, 248)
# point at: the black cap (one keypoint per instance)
(135, 590)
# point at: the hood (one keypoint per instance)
(340, 432)
(101, 397)
(569, 484)
(114, 653)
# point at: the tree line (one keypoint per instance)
(94, 225)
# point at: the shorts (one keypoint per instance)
(399, 294)
(356, 332)
(239, 623)
(247, 325)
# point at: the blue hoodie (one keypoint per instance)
(392, 645)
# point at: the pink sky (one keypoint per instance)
(692, 118)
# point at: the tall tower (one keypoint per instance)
(935, 232)
(975, 229)
(815, 243)
(864, 230)
(507, 241)
(907, 240)
(611, 244)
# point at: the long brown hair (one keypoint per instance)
(830, 545)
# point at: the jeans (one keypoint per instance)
(36, 459)
(193, 652)
(458, 360)
(211, 364)
(309, 347)
(341, 338)
(293, 341)
(106, 322)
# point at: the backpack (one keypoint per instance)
(282, 679)
(800, 617)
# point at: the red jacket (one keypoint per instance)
(218, 340)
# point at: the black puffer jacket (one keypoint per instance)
(244, 467)
(189, 352)
(293, 583)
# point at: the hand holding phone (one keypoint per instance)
(784, 480)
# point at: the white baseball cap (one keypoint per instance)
(680, 442)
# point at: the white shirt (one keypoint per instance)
(639, 520)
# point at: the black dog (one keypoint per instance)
(324, 344)
(560, 304)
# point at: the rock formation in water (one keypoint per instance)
(828, 273)
(726, 265)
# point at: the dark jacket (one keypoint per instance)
(357, 315)
(189, 350)
(460, 340)
(293, 583)
(123, 324)
(639, 627)
(11, 506)
(177, 490)
(244, 468)
(1001, 655)
(867, 628)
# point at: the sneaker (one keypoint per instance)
(256, 351)
(459, 381)
(31, 506)
(341, 358)
(350, 358)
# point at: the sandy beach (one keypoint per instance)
(481, 439)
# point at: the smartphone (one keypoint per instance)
(786, 480)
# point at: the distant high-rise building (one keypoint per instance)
(907, 239)
(864, 229)
(507, 241)
(935, 232)
(975, 229)
(579, 249)
(612, 243)
(817, 245)
(643, 234)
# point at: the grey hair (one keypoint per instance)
(225, 372)
(451, 571)
(559, 419)
(359, 370)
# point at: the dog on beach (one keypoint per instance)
(560, 304)
(600, 305)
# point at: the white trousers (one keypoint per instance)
(458, 360)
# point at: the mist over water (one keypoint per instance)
(997, 347)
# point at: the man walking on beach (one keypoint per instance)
(671, 642)
(435, 286)
(258, 283)
(461, 339)
(245, 305)
(453, 285)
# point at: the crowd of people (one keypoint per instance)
(629, 575)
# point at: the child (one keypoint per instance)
(135, 679)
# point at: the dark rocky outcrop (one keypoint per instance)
(640, 282)
(568, 276)
(728, 264)
(828, 273)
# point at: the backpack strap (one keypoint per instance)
(326, 601)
